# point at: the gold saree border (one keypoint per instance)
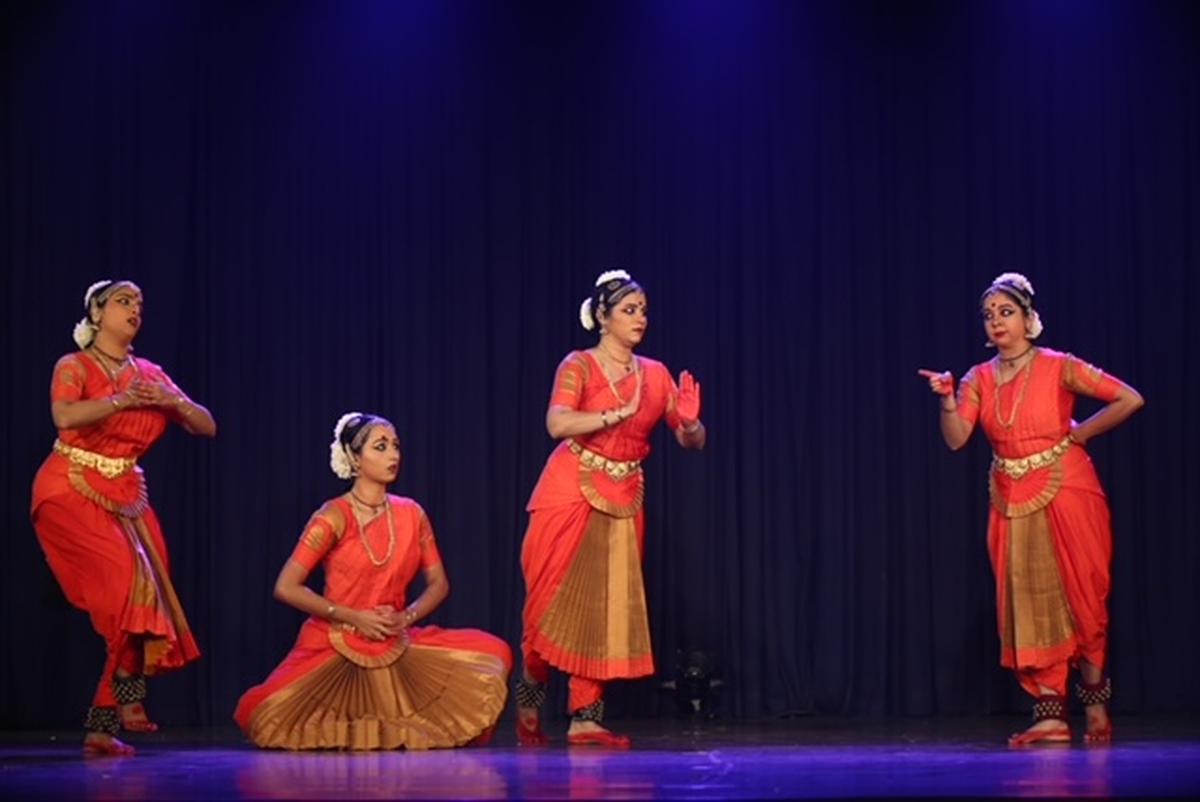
(337, 639)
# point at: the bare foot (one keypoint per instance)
(1099, 725)
(101, 744)
(134, 718)
(1050, 730)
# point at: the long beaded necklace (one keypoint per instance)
(1012, 417)
(362, 528)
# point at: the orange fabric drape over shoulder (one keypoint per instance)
(100, 536)
(433, 687)
(585, 608)
(1049, 535)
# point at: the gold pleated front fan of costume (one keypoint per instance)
(428, 698)
(598, 616)
(1038, 615)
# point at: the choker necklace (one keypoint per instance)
(1008, 360)
(627, 365)
(106, 355)
(367, 503)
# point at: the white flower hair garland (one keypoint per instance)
(587, 315)
(339, 460)
(85, 330)
(1017, 280)
(609, 275)
(1033, 329)
(586, 318)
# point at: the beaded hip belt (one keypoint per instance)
(1016, 468)
(108, 467)
(616, 469)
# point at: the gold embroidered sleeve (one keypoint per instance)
(322, 532)
(1079, 376)
(69, 378)
(569, 381)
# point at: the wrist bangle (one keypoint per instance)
(116, 402)
(695, 427)
(330, 611)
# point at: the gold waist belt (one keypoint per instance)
(108, 467)
(1016, 468)
(616, 469)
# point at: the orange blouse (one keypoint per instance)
(581, 384)
(349, 553)
(124, 434)
(364, 568)
(1031, 414)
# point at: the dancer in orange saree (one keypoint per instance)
(92, 515)
(1049, 535)
(585, 606)
(361, 676)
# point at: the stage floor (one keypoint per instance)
(793, 758)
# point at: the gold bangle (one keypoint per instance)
(116, 403)
(330, 611)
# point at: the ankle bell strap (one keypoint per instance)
(593, 712)
(530, 694)
(1050, 707)
(129, 690)
(102, 719)
(1098, 694)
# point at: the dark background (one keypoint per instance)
(399, 206)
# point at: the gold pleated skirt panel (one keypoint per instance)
(428, 698)
(597, 624)
(1038, 617)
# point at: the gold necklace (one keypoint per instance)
(1012, 360)
(613, 387)
(368, 504)
(362, 531)
(1017, 402)
(111, 366)
(627, 364)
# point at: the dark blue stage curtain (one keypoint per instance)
(398, 207)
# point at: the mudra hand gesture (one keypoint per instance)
(143, 393)
(376, 624)
(940, 383)
(688, 402)
(630, 409)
